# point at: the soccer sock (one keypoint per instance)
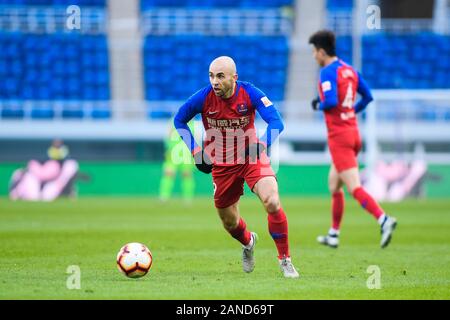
(367, 202)
(241, 233)
(278, 229)
(382, 219)
(337, 209)
(187, 187)
(166, 186)
(333, 232)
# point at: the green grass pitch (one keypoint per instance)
(194, 258)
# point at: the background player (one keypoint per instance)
(228, 109)
(338, 86)
(58, 151)
(171, 166)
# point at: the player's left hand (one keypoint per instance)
(315, 104)
(254, 150)
(203, 162)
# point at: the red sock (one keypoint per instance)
(278, 229)
(367, 202)
(337, 209)
(241, 233)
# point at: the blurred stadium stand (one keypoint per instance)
(169, 59)
(257, 37)
(405, 54)
(48, 71)
(208, 4)
(47, 67)
(398, 61)
(339, 4)
(100, 3)
(54, 75)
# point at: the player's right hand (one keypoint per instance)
(315, 104)
(203, 162)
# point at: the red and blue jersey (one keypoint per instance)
(338, 86)
(229, 123)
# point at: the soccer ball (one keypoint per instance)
(134, 260)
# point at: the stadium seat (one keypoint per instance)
(97, 3)
(406, 61)
(73, 113)
(101, 113)
(47, 66)
(170, 57)
(55, 67)
(148, 4)
(160, 114)
(334, 5)
(43, 113)
(344, 48)
(12, 112)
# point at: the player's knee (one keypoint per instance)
(334, 185)
(169, 173)
(230, 223)
(353, 186)
(271, 203)
(187, 175)
(333, 188)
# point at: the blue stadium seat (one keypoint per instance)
(45, 67)
(148, 4)
(447, 115)
(101, 113)
(159, 114)
(344, 48)
(43, 113)
(54, 66)
(334, 5)
(406, 61)
(12, 111)
(73, 113)
(97, 3)
(261, 60)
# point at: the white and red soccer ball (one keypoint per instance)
(134, 260)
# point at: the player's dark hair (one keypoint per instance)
(326, 40)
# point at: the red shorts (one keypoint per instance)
(344, 149)
(228, 181)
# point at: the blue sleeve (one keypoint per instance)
(187, 111)
(268, 113)
(366, 95)
(328, 82)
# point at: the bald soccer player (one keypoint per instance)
(234, 154)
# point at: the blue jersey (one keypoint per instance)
(338, 86)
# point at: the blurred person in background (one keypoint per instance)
(175, 162)
(58, 150)
(47, 180)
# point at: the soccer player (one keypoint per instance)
(234, 154)
(338, 86)
(171, 166)
(58, 151)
